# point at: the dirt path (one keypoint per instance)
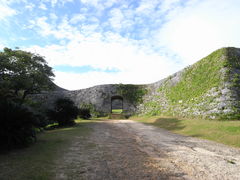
(124, 149)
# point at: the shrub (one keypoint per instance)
(16, 125)
(84, 113)
(39, 112)
(64, 112)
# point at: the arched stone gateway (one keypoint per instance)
(102, 99)
(117, 104)
(219, 99)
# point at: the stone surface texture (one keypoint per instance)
(221, 101)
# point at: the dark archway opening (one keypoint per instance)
(116, 104)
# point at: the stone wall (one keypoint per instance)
(215, 79)
(219, 100)
(213, 104)
(98, 97)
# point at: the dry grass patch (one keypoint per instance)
(226, 132)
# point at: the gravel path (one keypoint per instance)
(124, 149)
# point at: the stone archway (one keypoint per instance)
(116, 104)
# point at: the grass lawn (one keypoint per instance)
(37, 162)
(226, 132)
(117, 111)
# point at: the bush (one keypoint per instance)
(39, 112)
(84, 113)
(64, 112)
(16, 125)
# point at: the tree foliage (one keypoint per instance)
(64, 112)
(84, 113)
(17, 125)
(23, 73)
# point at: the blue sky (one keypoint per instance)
(91, 42)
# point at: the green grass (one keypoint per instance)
(133, 93)
(226, 132)
(195, 79)
(37, 162)
(117, 111)
(199, 87)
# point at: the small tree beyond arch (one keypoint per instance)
(116, 104)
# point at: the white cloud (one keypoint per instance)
(109, 3)
(116, 18)
(135, 65)
(30, 6)
(146, 7)
(2, 46)
(99, 3)
(77, 18)
(190, 32)
(43, 6)
(169, 5)
(45, 28)
(6, 11)
(63, 30)
(94, 3)
(57, 2)
(198, 29)
(53, 16)
(146, 70)
(54, 2)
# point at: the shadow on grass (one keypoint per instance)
(197, 135)
(168, 123)
(38, 161)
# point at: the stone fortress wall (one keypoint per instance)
(220, 99)
(98, 97)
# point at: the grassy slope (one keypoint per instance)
(196, 81)
(226, 132)
(37, 162)
(199, 78)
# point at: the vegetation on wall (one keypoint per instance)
(233, 65)
(88, 111)
(153, 108)
(198, 79)
(233, 58)
(133, 93)
(196, 88)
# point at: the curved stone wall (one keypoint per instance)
(181, 94)
(98, 97)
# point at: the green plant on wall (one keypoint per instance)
(196, 88)
(154, 108)
(133, 93)
(91, 108)
(233, 65)
(195, 80)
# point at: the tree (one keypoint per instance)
(17, 125)
(23, 73)
(64, 112)
(84, 113)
